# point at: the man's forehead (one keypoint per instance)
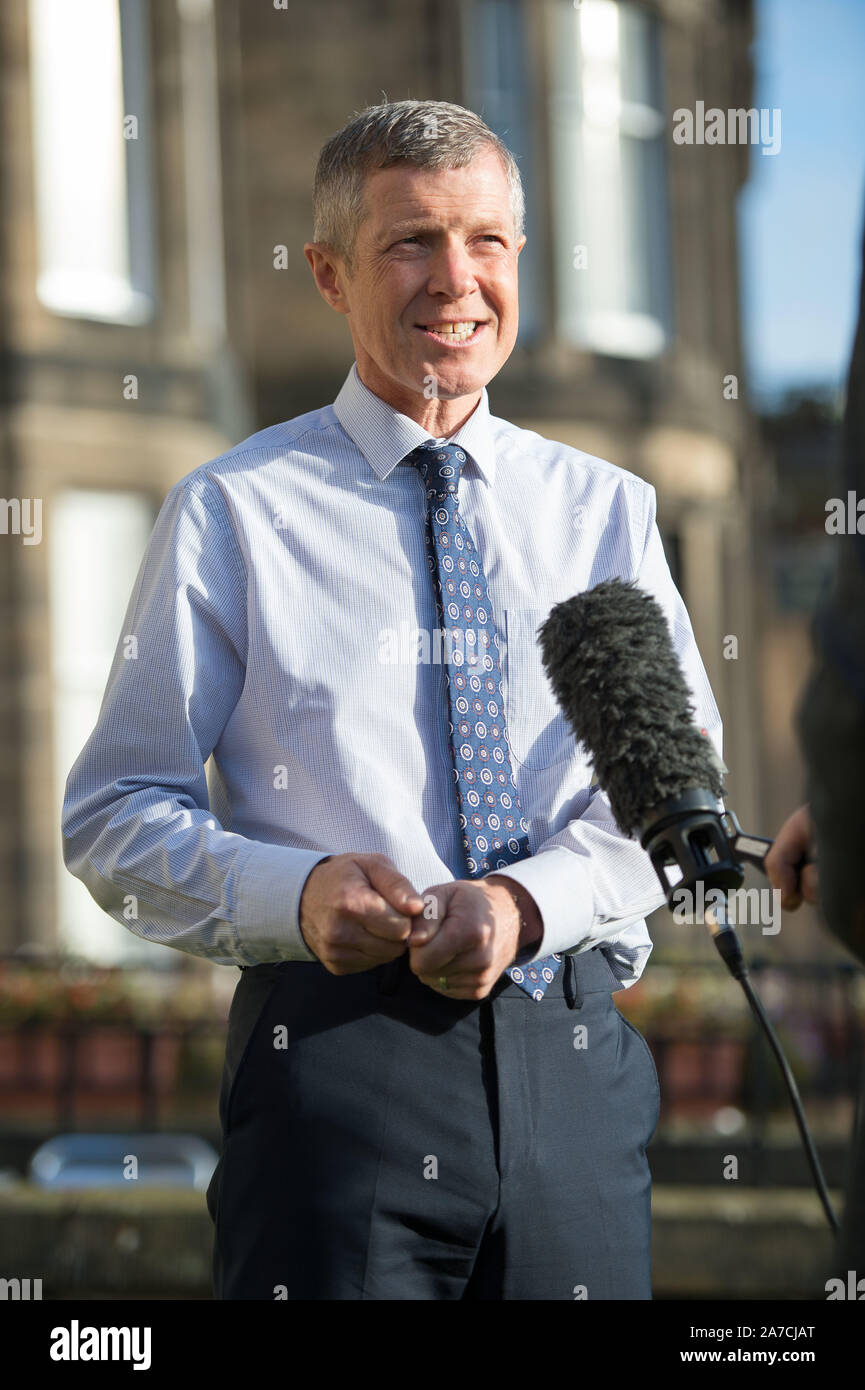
(415, 197)
(457, 215)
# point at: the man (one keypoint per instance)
(830, 719)
(428, 1090)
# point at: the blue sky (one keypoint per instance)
(801, 213)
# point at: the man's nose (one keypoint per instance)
(451, 272)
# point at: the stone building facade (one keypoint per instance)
(128, 360)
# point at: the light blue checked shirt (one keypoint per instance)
(274, 624)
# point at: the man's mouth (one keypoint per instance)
(453, 333)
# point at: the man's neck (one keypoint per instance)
(439, 418)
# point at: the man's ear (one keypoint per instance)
(521, 243)
(329, 274)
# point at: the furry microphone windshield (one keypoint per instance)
(610, 660)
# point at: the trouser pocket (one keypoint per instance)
(652, 1070)
(254, 989)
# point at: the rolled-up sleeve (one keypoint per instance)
(136, 824)
(592, 885)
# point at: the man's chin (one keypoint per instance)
(448, 381)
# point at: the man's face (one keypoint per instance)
(435, 248)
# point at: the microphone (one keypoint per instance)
(610, 660)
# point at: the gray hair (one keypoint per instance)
(428, 134)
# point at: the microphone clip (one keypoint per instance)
(707, 843)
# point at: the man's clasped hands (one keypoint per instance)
(357, 911)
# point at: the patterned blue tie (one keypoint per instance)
(494, 828)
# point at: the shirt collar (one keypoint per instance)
(384, 436)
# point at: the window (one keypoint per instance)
(497, 88)
(91, 135)
(98, 541)
(608, 178)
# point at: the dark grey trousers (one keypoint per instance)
(381, 1141)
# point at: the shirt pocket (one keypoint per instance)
(538, 733)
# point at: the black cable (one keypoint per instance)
(730, 952)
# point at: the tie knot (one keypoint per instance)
(440, 466)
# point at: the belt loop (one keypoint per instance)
(571, 985)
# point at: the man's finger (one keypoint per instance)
(781, 874)
(457, 987)
(393, 886)
(424, 927)
(361, 904)
(809, 883)
(376, 916)
(353, 959)
(456, 940)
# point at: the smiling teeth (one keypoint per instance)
(452, 330)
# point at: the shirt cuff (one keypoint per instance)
(559, 882)
(269, 889)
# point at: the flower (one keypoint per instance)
(77, 992)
